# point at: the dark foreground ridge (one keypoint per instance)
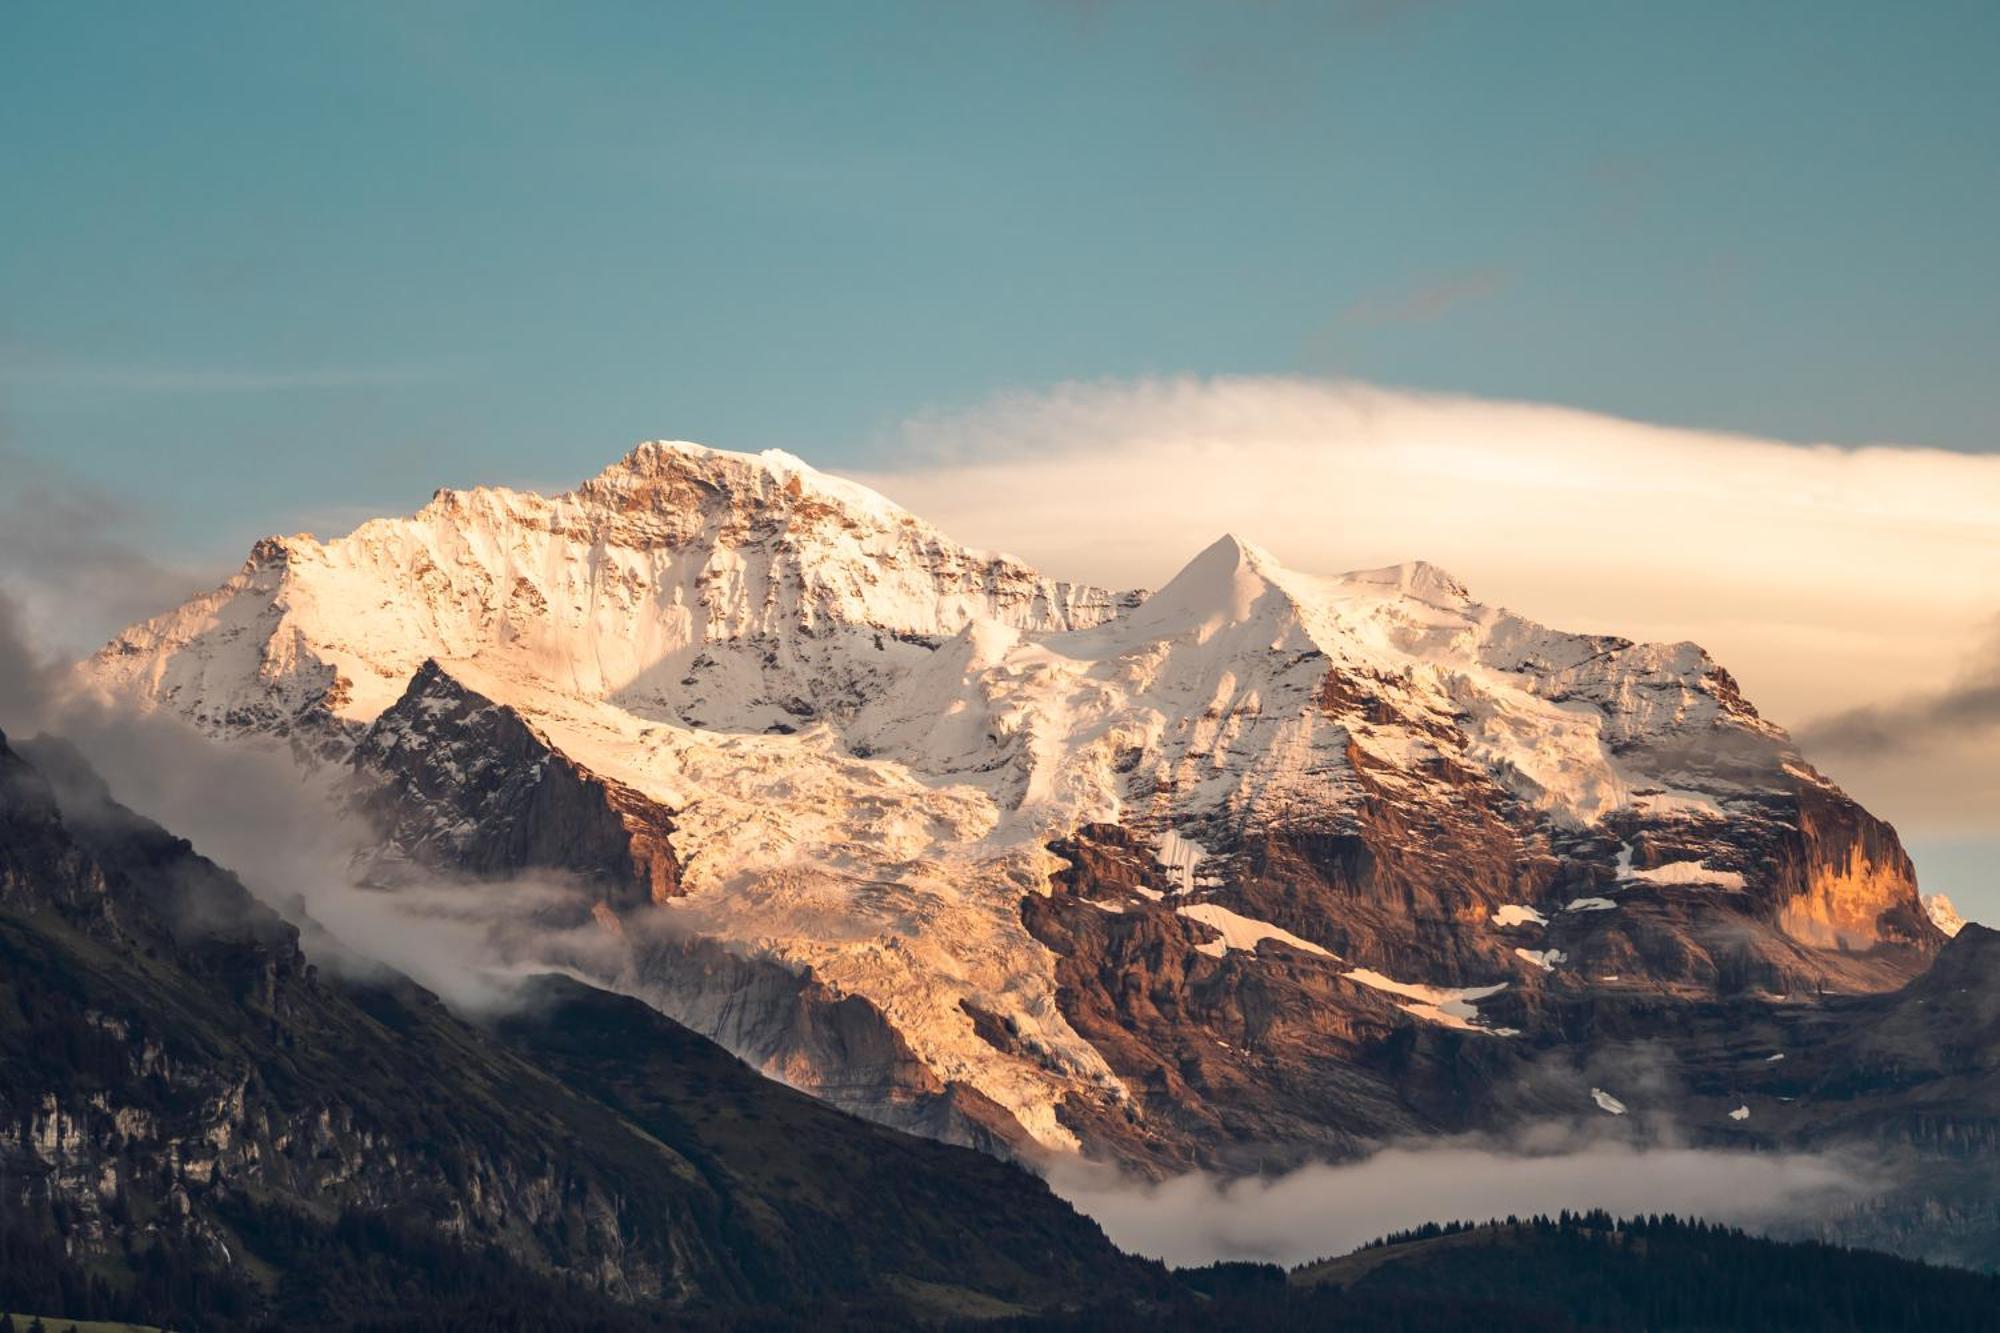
(200, 1129)
(1576, 1271)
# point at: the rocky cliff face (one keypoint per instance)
(1262, 865)
(451, 778)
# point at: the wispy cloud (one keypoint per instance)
(72, 557)
(1426, 301)
(1259, 60)
(1935, 756)
(200, 380)
(1625, 185)
(1917, 721)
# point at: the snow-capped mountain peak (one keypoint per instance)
(1419, 579)
(669, 564)
(817, 734)
(1221, 586)
(1943, 913)
(657, 475)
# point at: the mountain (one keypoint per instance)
(1260, 868)
(1943, 913)
(199, 1126)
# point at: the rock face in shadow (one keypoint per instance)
(455, 779)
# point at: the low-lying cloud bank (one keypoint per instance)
(1320, 1211)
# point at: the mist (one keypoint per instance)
(1323, 1210)
(284, 829)
(74, 583)
(1970, 705)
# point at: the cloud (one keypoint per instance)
(1934, 755)
(1625, 184)
(1257, 60)
(1324, 1210)
(1825, 578)
(1918, 722)
(27, 678)
(1427, 301)
(68, 559)
(288, 834)
(208, 380)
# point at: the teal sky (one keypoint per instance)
(276, 260)
(271, 265)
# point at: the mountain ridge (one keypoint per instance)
(869, 759)
(218, 1131)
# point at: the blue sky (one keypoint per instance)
(278, 264)
(279, 259)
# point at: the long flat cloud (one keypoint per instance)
(1323, 1210)
(1827, 579)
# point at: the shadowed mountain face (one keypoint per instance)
(1260, 868)
(195, 1122)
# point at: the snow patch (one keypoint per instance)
(1513, 914)
(1606, 1102)
(1242, 932)
(1450, 1007)
(1590, 905)
(1678, 805)
(1688, 872)
(1546, 959)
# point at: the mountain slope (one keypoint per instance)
(217, 1129)
(1263, 866)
